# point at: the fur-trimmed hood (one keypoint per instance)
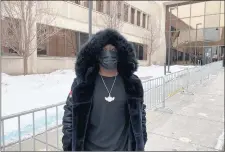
(79, 104)
(87, 59)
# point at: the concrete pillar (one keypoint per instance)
(129, 14)
(135, 17)
(159, 57)
(146, 21)
(141, 14)
(104, 5)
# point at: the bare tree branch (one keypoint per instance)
(69, 37)
(113, 17)
(151, 39)
(21, 31)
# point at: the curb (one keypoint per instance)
(220, 142)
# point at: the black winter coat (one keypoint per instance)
(78, 104)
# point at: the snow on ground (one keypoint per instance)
(22, 93)
(157, 71)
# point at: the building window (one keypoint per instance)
(42, 32)
(71, 43)
(181, 9)
(143, 20)
(77, 1)
(138, 18)
(148, 21)
(140, 52)
(83, 38)
(99, 5)
(125, 15)
(212, 7)
(64, 43)
(55, 46)
(136, 49)
(193, 33)
(132, 15)
(10, 36)
(200, 6)
(139, 48)
(211, 21)
(86, 4)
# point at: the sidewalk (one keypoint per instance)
(197, 121)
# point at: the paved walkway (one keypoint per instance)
(197, 121)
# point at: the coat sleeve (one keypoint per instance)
(143, 107)
(145, 136)
(67, 122)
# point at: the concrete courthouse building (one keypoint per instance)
(188, 30)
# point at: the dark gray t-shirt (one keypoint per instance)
(108, 127)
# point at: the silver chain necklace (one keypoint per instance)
(109, 98)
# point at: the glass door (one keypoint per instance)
(208, 55)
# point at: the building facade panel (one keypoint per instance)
(200, 31)
(71, 20)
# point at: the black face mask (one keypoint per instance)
(108, 59)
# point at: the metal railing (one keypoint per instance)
(46, 135)
(33, 134)
(159, 89)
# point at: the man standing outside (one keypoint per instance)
(105, 109)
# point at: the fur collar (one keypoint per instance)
(87, 65)
(87, 59)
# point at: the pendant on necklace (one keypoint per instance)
(109, 98)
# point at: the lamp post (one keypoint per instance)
(90, 3)
(223, 55)
(196, 33)
(1, 134)
(171, 8)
